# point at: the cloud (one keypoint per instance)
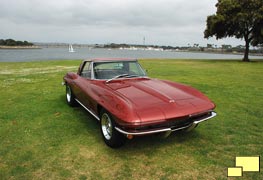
(102, 12)
(89, 21)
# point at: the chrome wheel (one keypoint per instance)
(110, 135)
(106, 126)
(68, 94)
(70, 98)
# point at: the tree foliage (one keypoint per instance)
(242, 19)
(11, 42)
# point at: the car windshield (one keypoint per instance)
(118, 69)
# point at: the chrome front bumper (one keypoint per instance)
(170, 129)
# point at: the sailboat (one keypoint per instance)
(70, 48)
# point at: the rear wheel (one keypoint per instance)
(70, 97)
(110, 135)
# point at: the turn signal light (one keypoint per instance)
(129, 136)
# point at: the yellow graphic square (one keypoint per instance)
(234, 171)
(248, 163)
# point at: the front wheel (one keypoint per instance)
(110, 135)
(70, 97)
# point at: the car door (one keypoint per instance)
(83, 85)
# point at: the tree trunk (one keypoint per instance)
(245, 59)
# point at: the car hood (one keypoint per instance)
(156, 99)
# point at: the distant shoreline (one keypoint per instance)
(23, 55)
(190, 51)
(20, 47)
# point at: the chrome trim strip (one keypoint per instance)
(177, 129)
(88, 110)
(142, 133)
(92, 70)
(151, 131)
(213, 114)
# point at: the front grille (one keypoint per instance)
(176, 122)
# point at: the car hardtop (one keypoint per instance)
(109, 59)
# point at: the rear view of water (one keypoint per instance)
(10, 55)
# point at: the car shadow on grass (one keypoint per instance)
(156, 140)
(82, 117)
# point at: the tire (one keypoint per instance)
(110, 135)
(70, 98)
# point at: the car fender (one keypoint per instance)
(120, 107)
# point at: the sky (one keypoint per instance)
(160, 22)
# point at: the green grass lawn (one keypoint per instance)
(41, 137)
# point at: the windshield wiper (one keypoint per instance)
(121, 76)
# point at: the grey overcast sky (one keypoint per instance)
(161, 22)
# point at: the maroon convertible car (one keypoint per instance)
(127, 103)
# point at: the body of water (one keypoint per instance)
(19, 55)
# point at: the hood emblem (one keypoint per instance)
(171, 101)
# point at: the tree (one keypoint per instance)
(11, 42)
(226, 46)
(242, 19)
(209, 45)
